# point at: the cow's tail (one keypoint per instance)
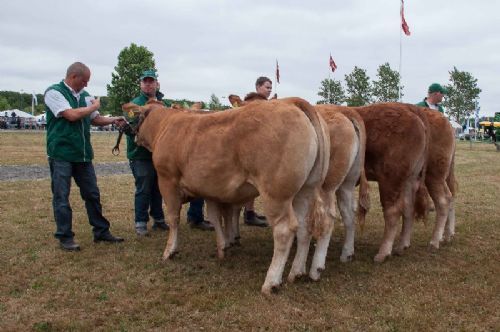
(364, 195)
(320, 167)
(451, 181)
(319, 212)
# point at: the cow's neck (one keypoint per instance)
(155, 124)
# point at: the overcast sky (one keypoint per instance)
(221, 46)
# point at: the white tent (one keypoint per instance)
(455, 124)
(18, 113)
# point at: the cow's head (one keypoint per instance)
(141, 112)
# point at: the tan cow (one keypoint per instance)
(347, 151)
(278, 149)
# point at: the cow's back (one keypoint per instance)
(229, 152)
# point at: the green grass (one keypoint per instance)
(127, 287)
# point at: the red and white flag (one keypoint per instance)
(333, 66)
(277, 72)
(404, 25)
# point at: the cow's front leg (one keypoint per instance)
(214, 213)
(172, 200)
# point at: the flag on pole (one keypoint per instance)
(277, 72)
(34, 98)
(333, 66)
(404, 25)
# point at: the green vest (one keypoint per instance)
(134, 151)
(66, 140)
(423, 103)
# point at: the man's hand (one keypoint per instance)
(119, 121)
(96, 103)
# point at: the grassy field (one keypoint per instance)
(33, 151)
(127, 287)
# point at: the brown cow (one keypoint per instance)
(278, 149)
(440, 177)
(396, 157)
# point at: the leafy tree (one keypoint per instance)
(331, 91)
(462, 93)
(4, 104)
(386, 88)
(358, 87)
(132, 61)
(214, 103)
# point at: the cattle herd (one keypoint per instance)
(303, 161)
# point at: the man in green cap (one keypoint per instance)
(148, 200)
(434, 97)
(70, 111)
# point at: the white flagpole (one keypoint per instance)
(400, 53)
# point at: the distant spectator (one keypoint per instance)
(491, 132)
(435, 95)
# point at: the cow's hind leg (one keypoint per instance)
(441, 196)
(449, 231)
(392, 215)
(408, 216)
(323, 236)
(345, 200)
(301, 205)
(284, 223)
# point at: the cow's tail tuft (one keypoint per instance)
(364, 194)
(422, 202)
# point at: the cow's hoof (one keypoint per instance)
(380, 258)
(268, 290)
(433, 247)
(315, 274)
(220, 254)
(400, 250)
(294, 276)
(347, 258)
(167, 257)
(449, 238)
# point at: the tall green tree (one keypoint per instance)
(462, 94)
(359, 89)
(214, 103)
(4, 104)
(386, 88)
(331, 91)
(132, 61)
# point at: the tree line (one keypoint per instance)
(356, 90)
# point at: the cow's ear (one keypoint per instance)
(235, 100)
(131, 108)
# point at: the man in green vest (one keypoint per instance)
(147, 194)
(434, 97)
(70, 111)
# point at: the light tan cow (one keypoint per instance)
(278, 149)
(347, 153)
